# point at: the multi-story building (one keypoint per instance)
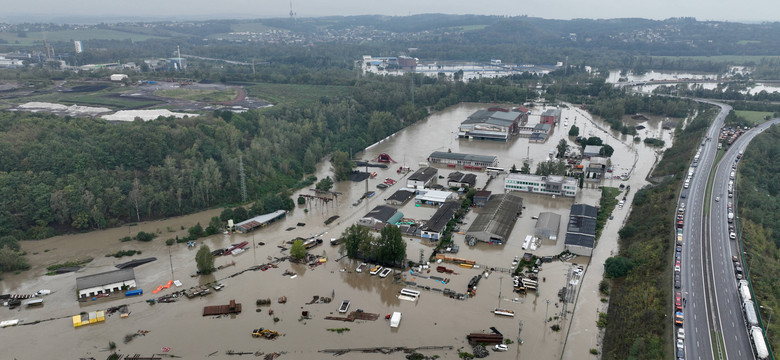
(550, 185)
(491, 124)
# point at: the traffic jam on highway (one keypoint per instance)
(743, 287)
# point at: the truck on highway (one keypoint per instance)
(744, 290)
(750, 313)
(758, 343)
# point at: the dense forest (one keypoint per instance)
(61, 174)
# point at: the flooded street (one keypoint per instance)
(433, 320)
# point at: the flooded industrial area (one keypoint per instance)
(433, 320)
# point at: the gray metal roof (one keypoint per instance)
(549, 221)
(401, 196)
(111, 277)
(580, 240)
(464, 157)
(424, 174)
(382, 213)
(499, 215)
(584, 210)
(443, 215)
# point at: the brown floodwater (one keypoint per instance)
(434, 320)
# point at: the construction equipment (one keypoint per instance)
(264, 333)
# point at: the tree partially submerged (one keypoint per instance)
(204, 260)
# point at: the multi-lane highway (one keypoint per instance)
(713, 319)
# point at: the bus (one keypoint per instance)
(494, 169)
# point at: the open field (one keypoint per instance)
(754, 117)
(205, 95)
(69, 35)
(287, 94)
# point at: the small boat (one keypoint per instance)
(385, 272)
(504, 312)
(344, 306)
(375, 270)
(361, 267)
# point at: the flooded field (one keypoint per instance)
(433, 320)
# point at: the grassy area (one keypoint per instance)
(731, 59)
(199, 94)
(606, 205)
(292, 94)
(70, 35)
(754, 117)
(708, 189)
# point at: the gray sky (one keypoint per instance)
(745, 10)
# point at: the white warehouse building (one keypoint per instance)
(550, 185)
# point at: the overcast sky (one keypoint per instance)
(740, 11)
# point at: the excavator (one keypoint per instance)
(265, 333)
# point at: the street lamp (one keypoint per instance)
(547, 309)
(768, 321)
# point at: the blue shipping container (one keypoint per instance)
(134, 292)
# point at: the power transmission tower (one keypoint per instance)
(243, 178)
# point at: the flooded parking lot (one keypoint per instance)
(433, 320)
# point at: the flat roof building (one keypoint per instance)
(549, 185)
(581, 231)
(434, 197)
(467, 161)
(591, 150)
(104, 283)
(494, 223)
(491, 124)
(547, 226)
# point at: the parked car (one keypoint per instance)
(500, 347)
(680, 344)
(681, 333)
(732, 236)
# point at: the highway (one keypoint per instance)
(712, 307)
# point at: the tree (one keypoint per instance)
(513, 169)
(606, 151)
(204, 260)
(341, 165)
(145, 236)
(297, 251)
(562, 146)
(214, 226)
(574, 131)
(391, 246)
(354, 236)
(526, 169)
(325, 184)
(617, 266)
(196, 231)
